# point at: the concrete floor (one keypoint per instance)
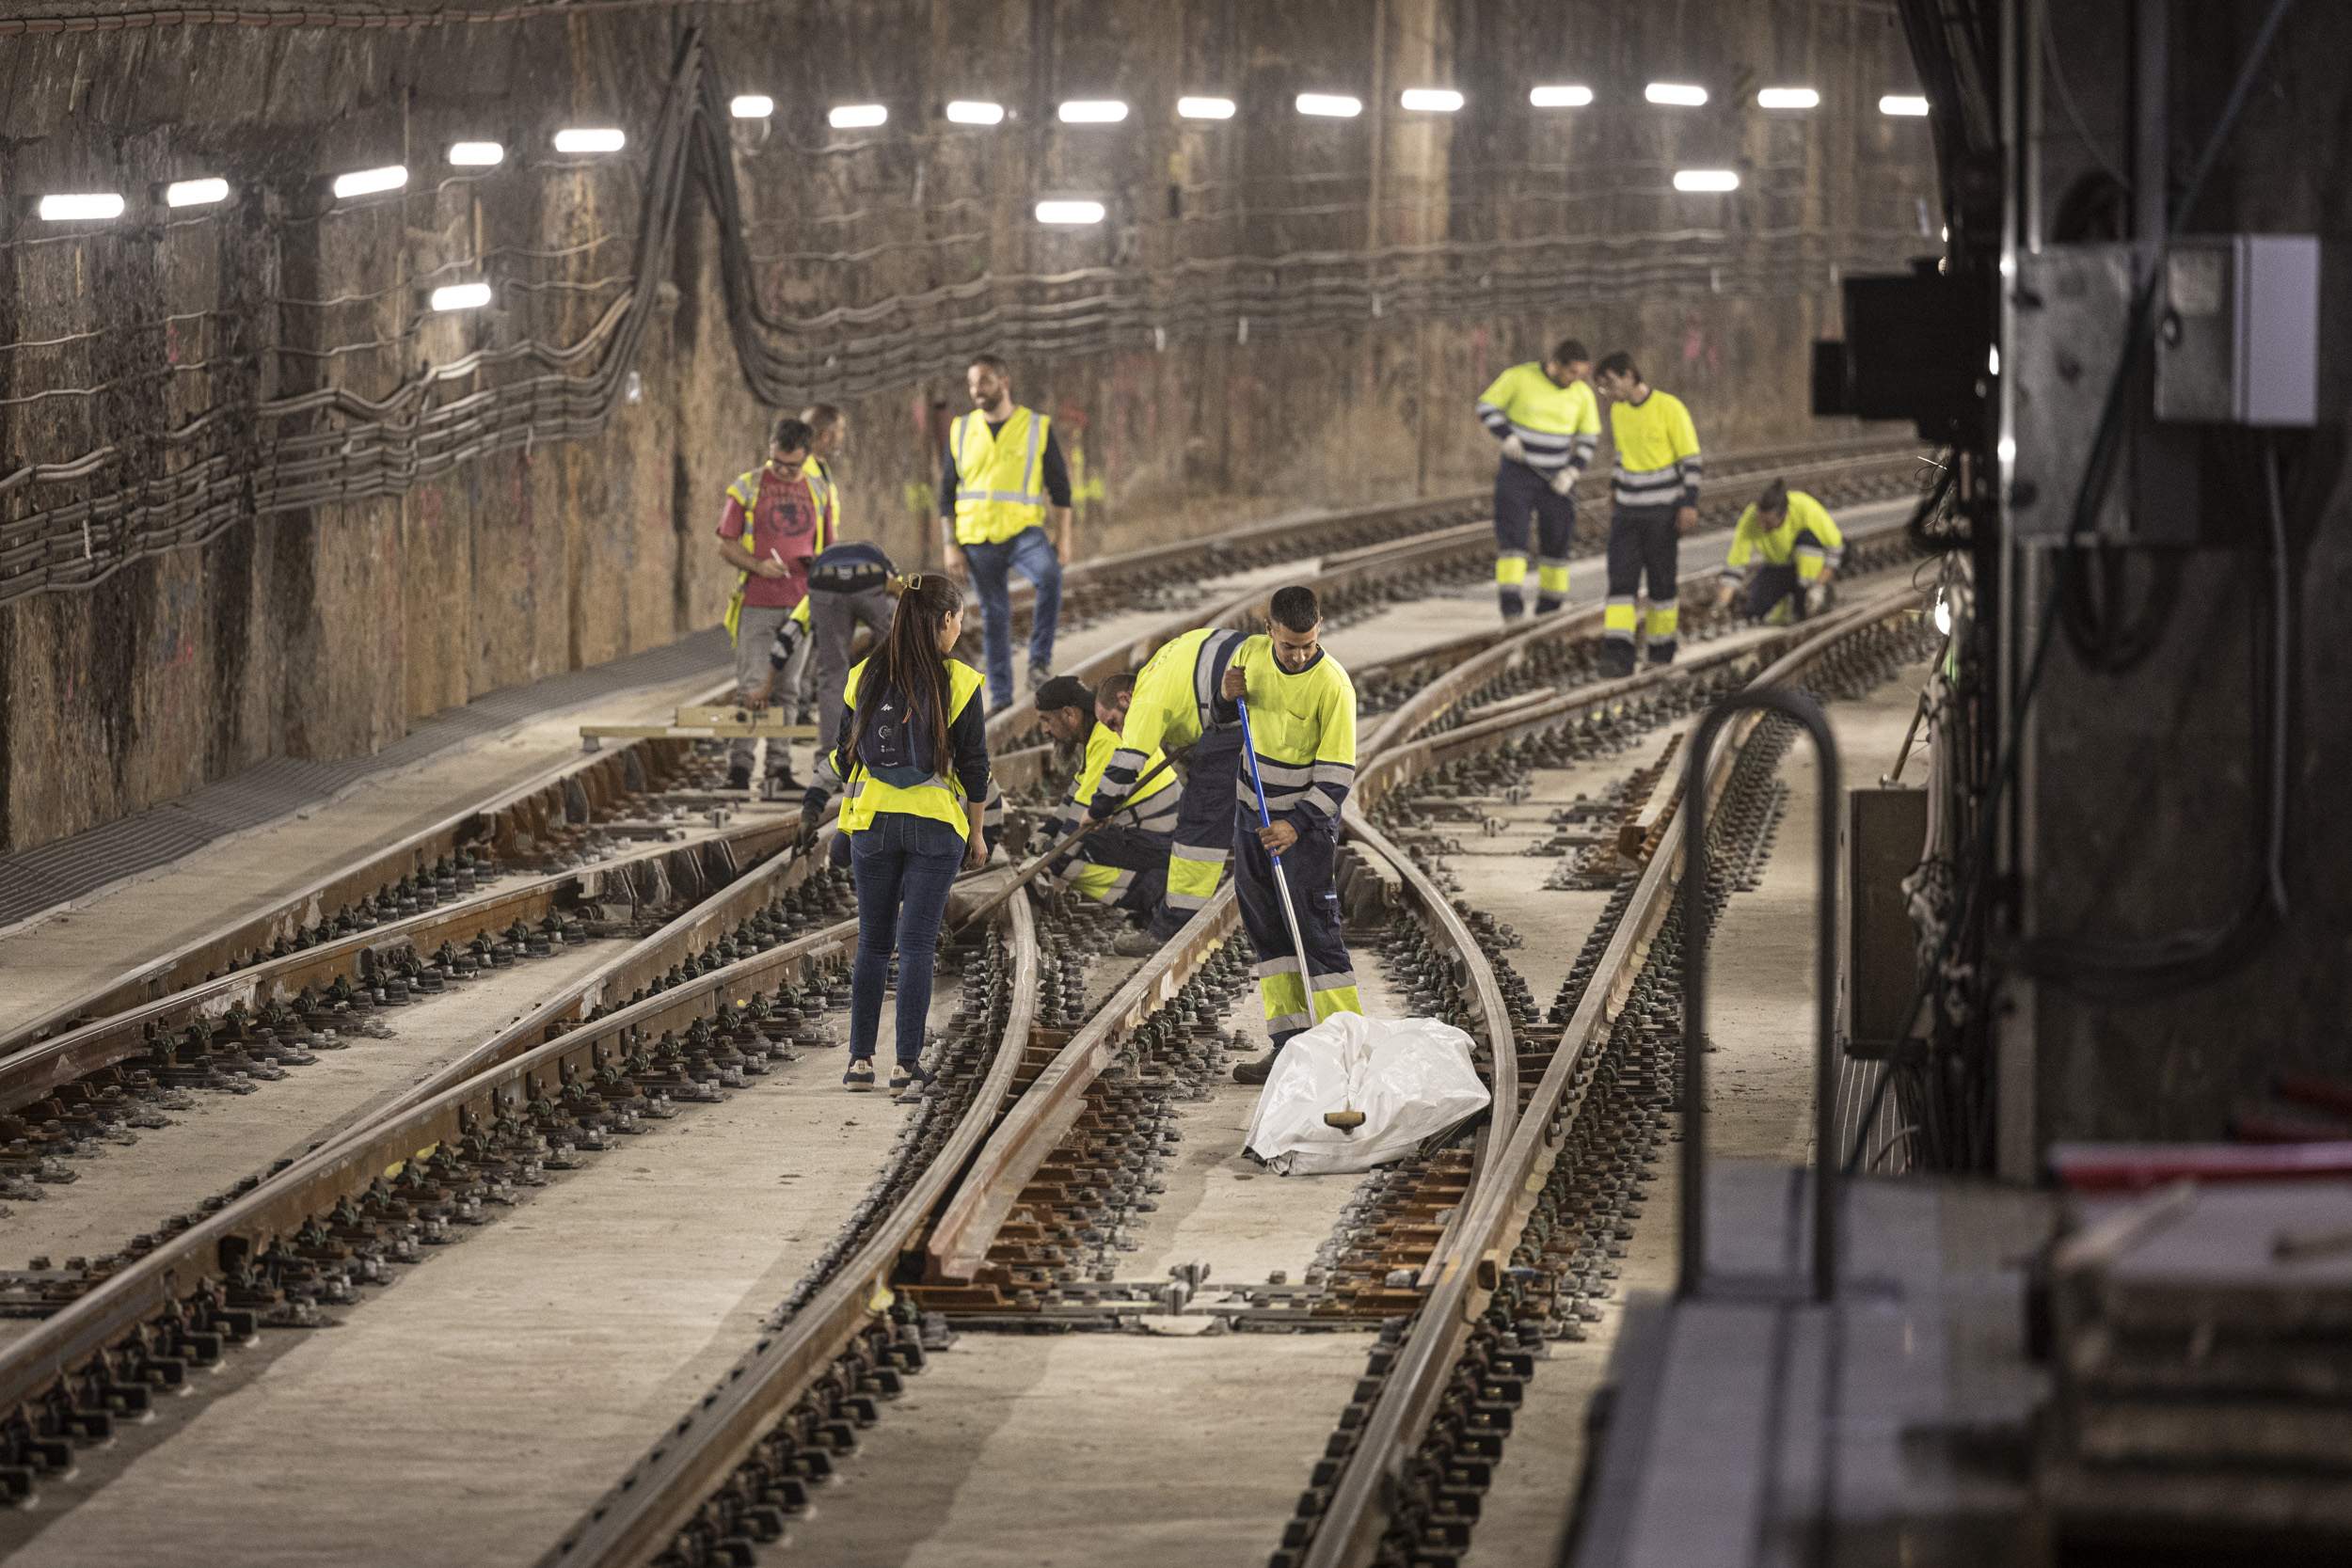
(50, 961)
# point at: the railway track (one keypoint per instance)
(442, 1153)
(1023, 1230)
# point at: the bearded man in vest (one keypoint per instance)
(1004, 481)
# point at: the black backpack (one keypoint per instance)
(898, 745)
(848, 569)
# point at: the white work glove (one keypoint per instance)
(1563, 483)
(1815, 598)
(1514, 449)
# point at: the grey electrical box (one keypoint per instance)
(2072, 304)
(2237, 333)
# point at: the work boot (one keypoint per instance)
(1257, 1071)
(739, 776)
(1038, 676)
(1135, 944)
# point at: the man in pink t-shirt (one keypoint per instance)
(769, 531)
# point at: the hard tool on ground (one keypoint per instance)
(705, 722)
(1028, 872)
(1347, 1119)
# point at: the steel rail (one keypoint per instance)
(37, 1070)
(514, 817)
(637, 1517)
(642, 1516)
(1497, 1207)
(77, 1342)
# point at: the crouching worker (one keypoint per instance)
(1302, 735)
(1122, 862)
(912, 751)
(1785, 554)
(1172, 709)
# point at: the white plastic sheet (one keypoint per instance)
(1411, 1077)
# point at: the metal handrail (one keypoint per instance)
(1691, 1275)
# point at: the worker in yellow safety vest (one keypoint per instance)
(1548, 423)
(1122, 862)
(1003, 481)
(773, 524)
(1302, 731)
(912, 754)
(1654, 500)
(1786, 551)
(1174, 710)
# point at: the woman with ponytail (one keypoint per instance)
(912, 752)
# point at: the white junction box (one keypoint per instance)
(2237, 332)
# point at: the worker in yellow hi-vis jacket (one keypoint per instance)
(1654, 500)
(1302, 730)
(1784, 552)
(1547, 422)
(1123, 863)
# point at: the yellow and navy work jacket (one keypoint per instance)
(744, 492)
(1303, 726)
(1559, 426)
(1000, 475)
(1174, 704)
(962, 762)
(1154, 813)
(1806, 535)
(1658, 453)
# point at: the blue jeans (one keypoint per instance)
(1031, 554)
(904, 865)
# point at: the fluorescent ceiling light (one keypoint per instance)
(370, 182)
(1330, 106)
(1565, 96)
(1069, 211)
(1787, 97)
(1682, 95)
(461, 296)
(1093, 111)
(1433, 100)
(1706, 180)
(476, 154)
(91, 207)
(1205, 108)
(1907, 106)
(750, 105)
(973, 111)
(195, 193)
(590, 138)
(856, 117)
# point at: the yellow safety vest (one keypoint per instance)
(1000, 475)
(940, 798)
(744, 492)
(1101, 744)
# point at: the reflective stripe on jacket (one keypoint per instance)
(1154, 803)
(1658, 453)
(1000, 475)
(1302, 725)
(1559, 426)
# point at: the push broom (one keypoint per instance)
(1348, 1118)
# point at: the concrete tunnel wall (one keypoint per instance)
(1466, 242)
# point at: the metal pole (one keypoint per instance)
(1692, 1240)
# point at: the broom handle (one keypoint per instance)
(1281, 883)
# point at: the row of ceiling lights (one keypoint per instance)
(1326, 105)
(105, 206)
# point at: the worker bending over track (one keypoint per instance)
(1654, 500)
(1785, 551)
(1547, 422)
(912, 754)
(1122, 862)
(1176, 709)
(776, 518)
(1303, 719)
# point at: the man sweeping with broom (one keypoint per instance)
(1298, 711)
